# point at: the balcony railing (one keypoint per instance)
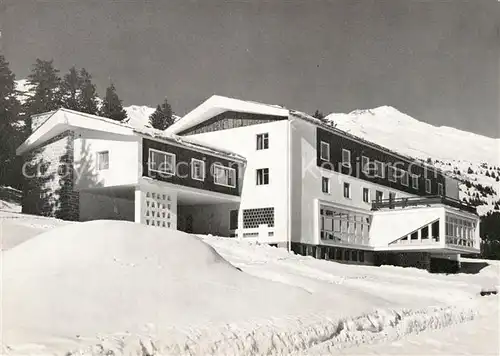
(421, 201)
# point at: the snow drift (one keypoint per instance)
(106, 276)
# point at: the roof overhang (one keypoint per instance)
(216, 105)
(62, 120)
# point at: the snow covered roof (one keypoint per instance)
(57, 121)
(217, 104)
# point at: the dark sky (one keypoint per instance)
(435, 60)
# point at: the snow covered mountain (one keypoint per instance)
(469, 157)
(393, 129)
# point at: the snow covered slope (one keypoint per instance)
(395, 130)
(119, 288)
(471, 158)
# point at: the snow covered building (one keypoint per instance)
(253, 171)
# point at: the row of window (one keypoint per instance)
(165, 163)
(330, 253)
(379, 195)
(459, 231)
(343, 226)
(377, 169)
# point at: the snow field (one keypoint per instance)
(118, 288)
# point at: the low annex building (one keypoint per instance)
(252, 171)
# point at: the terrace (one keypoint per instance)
(426, 201)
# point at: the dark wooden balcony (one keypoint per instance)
(401, 203)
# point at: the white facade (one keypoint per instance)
(284, 197)
(243, 140)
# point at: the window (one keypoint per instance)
(414, 181)
(233, 220)
(325, 151)
(263, 141)
(379, 166)
(346, 255)
(102, 160)
(440, 189)
(392, 196)
(435, 230)
(224, 176)
(161, 162)
(425, 232)
(197, 169)
(361, 256)
(379, 196)
(347, 190)
(391, 172)
(263, 176)
(404, 177)
(325, 185)
(428, 185)
(365, 164)
(346, 157)
(366, 195)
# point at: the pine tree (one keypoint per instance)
(319, 115)
(162, 117)
(71, 89)
(88, 98)
(45, 94)
(112, 107)
(10, 133)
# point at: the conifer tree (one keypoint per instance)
(162, 118)
(112, 107)
(319, 115)
(10, 132)
(71, 89)
(45, 92)
(88, 97)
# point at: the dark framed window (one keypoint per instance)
(197, 169)
(347, 190)
(346, 157)
(361, 256)
(347, 255)
(435, 230)
(365, 164)
(325, 185)
(324, 151)
(263, 141)
(428, 186)
(440, 189)
(233, 220)
(262, 176)
(224, 176)
(404, 178)
(414, 181)
(102, 160)
(366, 195)
(379, 195)
(379, 167)
(161, 162)
(391, 173)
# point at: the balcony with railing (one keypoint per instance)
(427, 201)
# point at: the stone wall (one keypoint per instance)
(48, 179)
